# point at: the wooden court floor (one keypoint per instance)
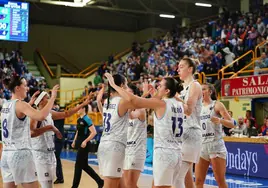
(145, 181)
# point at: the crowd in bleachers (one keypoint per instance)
(13, 64)
(214, 45)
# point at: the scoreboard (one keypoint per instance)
(14, 21)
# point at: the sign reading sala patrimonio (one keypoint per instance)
(245, 86)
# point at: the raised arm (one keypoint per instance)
(33, 98)
(140, 114)
(99, 99)
(137, 102)
(195, 94)
(23, 108)
(226, 119)
(72, 111)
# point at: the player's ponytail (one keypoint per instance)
(173, 86)
(108, 97)
(119, 80)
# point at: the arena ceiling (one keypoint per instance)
(127, 15)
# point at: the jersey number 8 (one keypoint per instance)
(177, 123)
(5, 131)
(107, 124)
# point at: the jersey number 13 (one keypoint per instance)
(177, 126)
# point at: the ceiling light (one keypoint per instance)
(166, 16)
(68, 4)
(203, 5)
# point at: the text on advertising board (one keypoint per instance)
(245, 86)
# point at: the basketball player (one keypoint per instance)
(135, 153)
(17, 164)
(192, 135)
(43, 140)
(111, 151)
(168, 128)
(213, 116)
(136, 144)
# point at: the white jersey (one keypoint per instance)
(115, 127)
(16, 134)
(136, 136)
(168, 129)
(192, 121)
(210, 131)
(44, 142)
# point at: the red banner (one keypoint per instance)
(245, 86)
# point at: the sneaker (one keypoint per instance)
(58, 181)
(101, 184)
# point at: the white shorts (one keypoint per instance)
(133, 162)
(214, 149)
(111, 158)
(135, 157)
(191, 145)
(45, 163)
(18, 167)
(166, 166)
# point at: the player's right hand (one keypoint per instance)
(73, 145)
(54, 91)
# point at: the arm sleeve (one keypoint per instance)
(88, 121)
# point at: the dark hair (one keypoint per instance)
(173, 85)
(134, 89)
(118, 80)
(190, 62)
(13, 82)
(213, 91)
(85, 107)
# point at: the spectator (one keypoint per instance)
(229, 56)
(241, 127)
(97, 79)
(261, 28)
(265, 125)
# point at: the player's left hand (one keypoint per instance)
(216, 120)
(100, 93)
(57, 133)
(33, 98)
(84, 144)
(88, 98)
(110, 78)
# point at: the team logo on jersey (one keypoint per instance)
(133, 164)
(119, 170)
(46, 174)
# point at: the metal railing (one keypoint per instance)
(45, 63)
(259, 46)
(222, 73)
(252, 69)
